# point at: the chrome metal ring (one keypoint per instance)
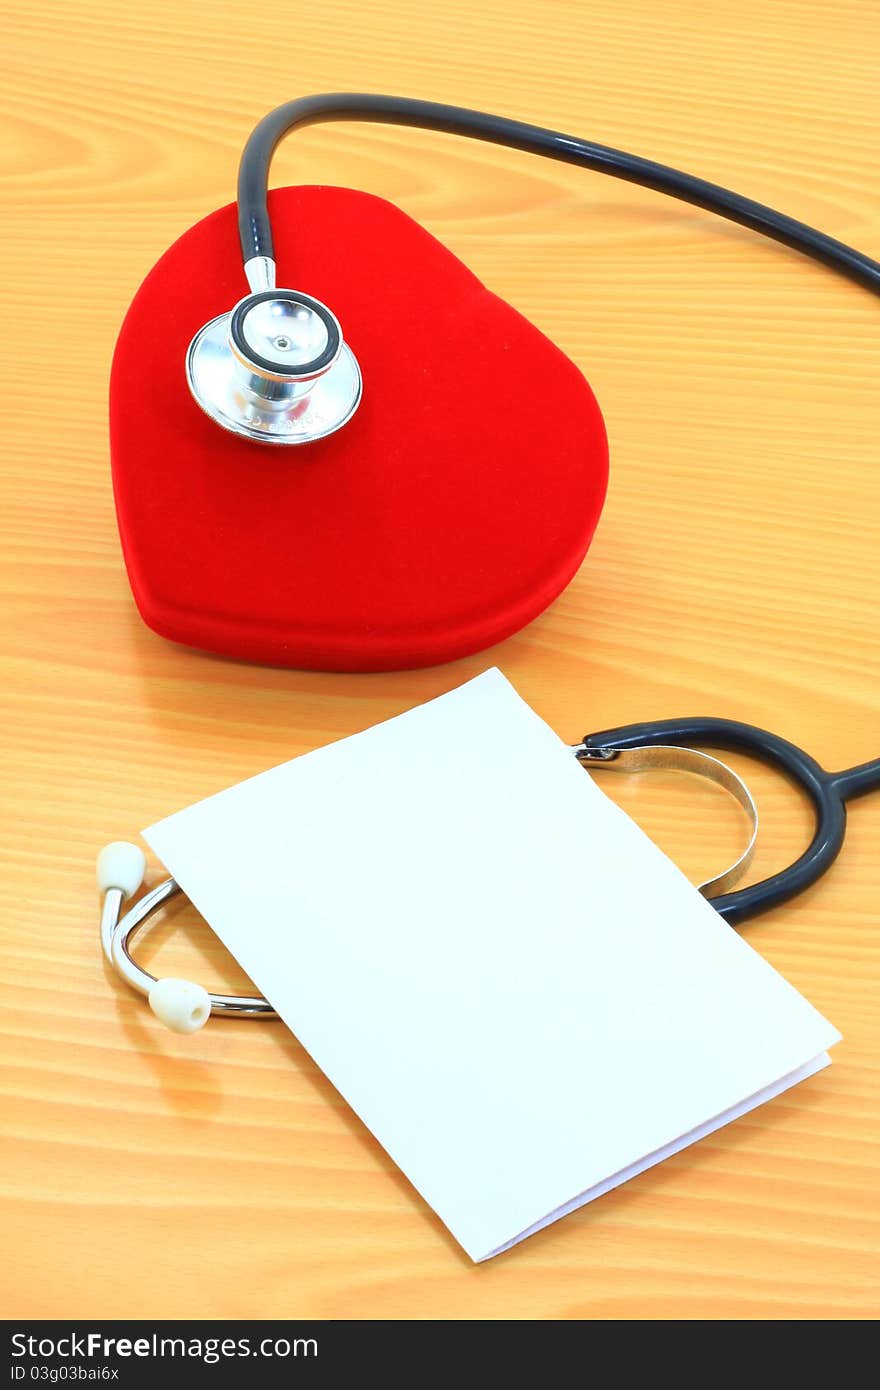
(287, 363)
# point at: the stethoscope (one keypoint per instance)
(185, 1007)
(276, 369)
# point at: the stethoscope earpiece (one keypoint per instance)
(181, 1005)
(276, 369)
(120, 869)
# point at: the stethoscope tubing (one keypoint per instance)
(255, 228)
(828, 793)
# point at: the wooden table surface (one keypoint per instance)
(735, 573)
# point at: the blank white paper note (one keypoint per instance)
(517, 992)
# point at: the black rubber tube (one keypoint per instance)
(255, 229)
(826, 791)
(858, 781)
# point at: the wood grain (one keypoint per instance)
(735, 572)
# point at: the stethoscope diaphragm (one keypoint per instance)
(276, 369)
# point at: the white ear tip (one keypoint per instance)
(182, 1006)
(121, 866)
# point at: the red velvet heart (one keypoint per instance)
(453, 507)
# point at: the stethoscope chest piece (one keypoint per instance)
(275, 369)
